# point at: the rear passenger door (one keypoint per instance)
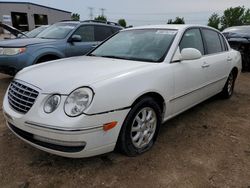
(217, 60)
(85, 45)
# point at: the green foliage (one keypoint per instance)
(178, 20)
(75, 17)
(236, 16)
(214, 21)
(101, 18)
(122, 22)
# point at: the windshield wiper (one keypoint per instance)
(115, 57)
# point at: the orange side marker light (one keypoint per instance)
(108, 126)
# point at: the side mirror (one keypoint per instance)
(75, 38)
(190, 54)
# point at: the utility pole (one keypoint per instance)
(91, 13)
(102, 10)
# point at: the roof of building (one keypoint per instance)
(29, 3)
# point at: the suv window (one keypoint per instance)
(115, 29)
(192, 39)
(102, 32)
(212, 40)
(86, 32)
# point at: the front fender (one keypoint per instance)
(38, 53)
(122, 91)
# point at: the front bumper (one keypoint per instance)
(59, 134)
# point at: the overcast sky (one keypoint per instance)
(144, 12)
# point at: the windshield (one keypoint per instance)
(36, 31)
(57, 31)
(149, 45)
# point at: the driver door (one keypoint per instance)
(85, 45)
(189, 75)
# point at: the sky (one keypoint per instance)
(145, 12)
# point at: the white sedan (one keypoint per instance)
(120, 93)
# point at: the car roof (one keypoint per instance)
(236, 28)
(170, 26)
(93, 22)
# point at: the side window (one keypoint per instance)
(223, 43)
(192, 39)
(102, 32)
(86, 32)
(115, 29)
(212, 40)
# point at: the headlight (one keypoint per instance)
(52, 103)
(11, 51)
(78, 101)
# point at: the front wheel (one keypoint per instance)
(140, 128)
(228, 89)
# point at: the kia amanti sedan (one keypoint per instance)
(121, 92)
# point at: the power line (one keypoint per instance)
(91, 13)
(102, 11)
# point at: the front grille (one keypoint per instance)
(21, 97)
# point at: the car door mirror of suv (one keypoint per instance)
(75, 38)
(190, 54)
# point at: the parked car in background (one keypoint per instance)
(63, 39)
(121, 92)
(239, 39)
(12, 32)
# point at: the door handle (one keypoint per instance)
(94, 46)
(229, 59)
(205, 65)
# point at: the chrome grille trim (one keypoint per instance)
(21, 97)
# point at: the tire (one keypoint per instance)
(135, 126)
(228, 89)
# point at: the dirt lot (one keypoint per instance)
(208, 146)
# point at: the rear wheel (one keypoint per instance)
(228, 89)
(140, 128)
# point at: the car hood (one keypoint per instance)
(63, 76)
(21, 42)
(11, 29)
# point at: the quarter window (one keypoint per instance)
(212, 40)
(192, 39)
(86, 32)
(223, 43)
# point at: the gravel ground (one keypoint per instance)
(207, 146)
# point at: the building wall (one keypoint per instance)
(30, 9)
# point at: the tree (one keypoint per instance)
(101, 18)
(122, 22)
(178, 20)
(75, 17)
(214, 21)
(235, 17)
